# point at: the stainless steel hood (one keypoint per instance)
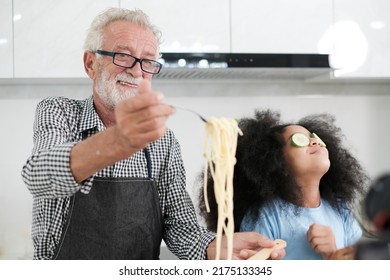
(242, 66)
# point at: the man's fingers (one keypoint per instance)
(278, 254)
(271, 250)
(266, 243)
(246, 254)
(266, 253)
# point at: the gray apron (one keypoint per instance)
(120, 218)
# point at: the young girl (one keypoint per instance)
(295, 182)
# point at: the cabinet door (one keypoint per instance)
(6, 53)
(188, 26)
(362, 38)
(280, 26)
(49, 36)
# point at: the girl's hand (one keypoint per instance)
(322, 240)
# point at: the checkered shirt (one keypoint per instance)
(59, 124)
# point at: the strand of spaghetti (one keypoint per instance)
(220, 150)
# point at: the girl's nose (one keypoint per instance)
(314, 142)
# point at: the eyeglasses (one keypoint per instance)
(301, 140)
(128, 61)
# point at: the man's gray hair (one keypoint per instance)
(94, 39)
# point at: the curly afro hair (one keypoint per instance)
(261, 173)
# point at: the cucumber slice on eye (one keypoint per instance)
(322, 143)
(300, 140)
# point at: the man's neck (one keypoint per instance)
(106, 115)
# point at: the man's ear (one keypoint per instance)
(89, 64)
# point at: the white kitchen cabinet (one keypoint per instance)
(189, 26)
(6, 48)
(49, 36)
(361, 38)
(280, 26)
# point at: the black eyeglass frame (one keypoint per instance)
(136, 59)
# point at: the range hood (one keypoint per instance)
(242, 66)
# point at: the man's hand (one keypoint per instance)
(141, 119)
(321, 239)
(245, 245)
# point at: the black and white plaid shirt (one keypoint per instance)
(59, 124)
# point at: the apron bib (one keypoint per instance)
(120, 218)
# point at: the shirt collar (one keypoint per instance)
(89, 117)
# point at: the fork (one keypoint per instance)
(192, 111)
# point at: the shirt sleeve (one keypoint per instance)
(183, 234)
(47, 172)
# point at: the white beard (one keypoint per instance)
(109, 91)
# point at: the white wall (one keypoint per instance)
(361, 109)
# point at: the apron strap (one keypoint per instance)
(148, 162)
